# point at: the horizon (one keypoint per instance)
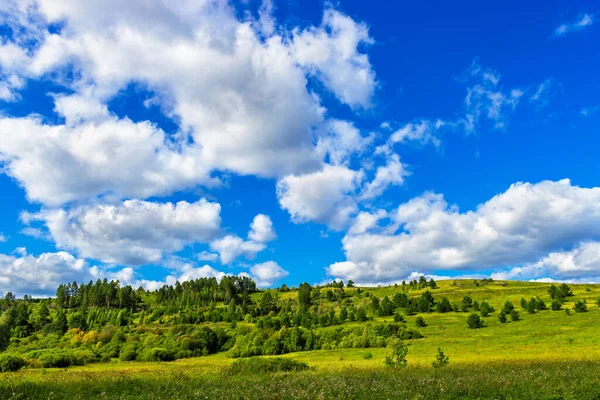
(150, 142)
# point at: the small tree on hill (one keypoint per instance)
(502, 317)
(474, 321)
(397, 358)
(556, 305)
(580, 306)
(514, 315)
(441, 360)
(485, 309)
(420, 322)
(508, 307)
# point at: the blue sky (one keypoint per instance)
(297, 141)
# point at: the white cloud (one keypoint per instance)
(422, 132)
(587, 111)
(324, 196)
(485, 98)
(28, 274)
(238, 92)
(580, 23)
(267, 273)
(516, 227)
(261, 229)
(340, 141)
(231, 247)
(116, 156)
(132, 232)
(580, 263)
(330, 52)
(366, 221)
(390, 174)
(3, 238)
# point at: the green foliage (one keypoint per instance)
(441, 360)
(485, 309)
(580, 306)
(515, 316)
(11, 363)
(474, 321)
(420, 322)
(556, 305)
(157, 354)
(502, 317)
(508, 307)
(397, 357)
(260, 365)
(368, 356)
(399, 317)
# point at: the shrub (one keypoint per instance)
(441, 360)
(157, 354)
(368, 356)
(420, 322)
(502, 317)
(514, 315)
(580, 306)
(508, 307)
(128, 352)
(485, 309)
(556, 305)
(259, 365)
(598, 302)
(568, 311)
(398, 317)
(397, 358)
(10, 363)
(474, 321)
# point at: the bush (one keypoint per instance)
(128, 352)
(502, 317)
(157, 354)
(514, 315)
(398, 317)
(10, 363)
(368, 356)
(580, 306)
(259, 365)
(485, 309)
(397, 359)
(474, 321)
(441, 360)
(420, 322)
(556, 305)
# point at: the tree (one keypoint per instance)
(502, 317)
(485, 309)
(350, 283)
(60, 324)
(398, 317)
(580, 306)
(420, 322)
(397, 358)
(474, 321)
(508, 307)
(432, 284)
(267, 304)
(556, 305)
(443, 305)
(514, 315)
(361, 315)
(386, 307)
(441, 360)
(304, 295)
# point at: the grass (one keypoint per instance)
(546, 355)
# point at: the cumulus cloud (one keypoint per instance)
(261, 229)
(238, 93)
(390, 174)
(267, 273)
(57, 164)
(330, 52)
(582, 22)
(324, 196)
(132, 232)
(516, 227)
(39, 276)
(231, 247)
(341, 141)
(581, 263)
(3, 238)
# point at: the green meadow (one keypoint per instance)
(546, 354)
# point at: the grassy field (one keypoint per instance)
(546, 355)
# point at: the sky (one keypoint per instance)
(152, 141)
